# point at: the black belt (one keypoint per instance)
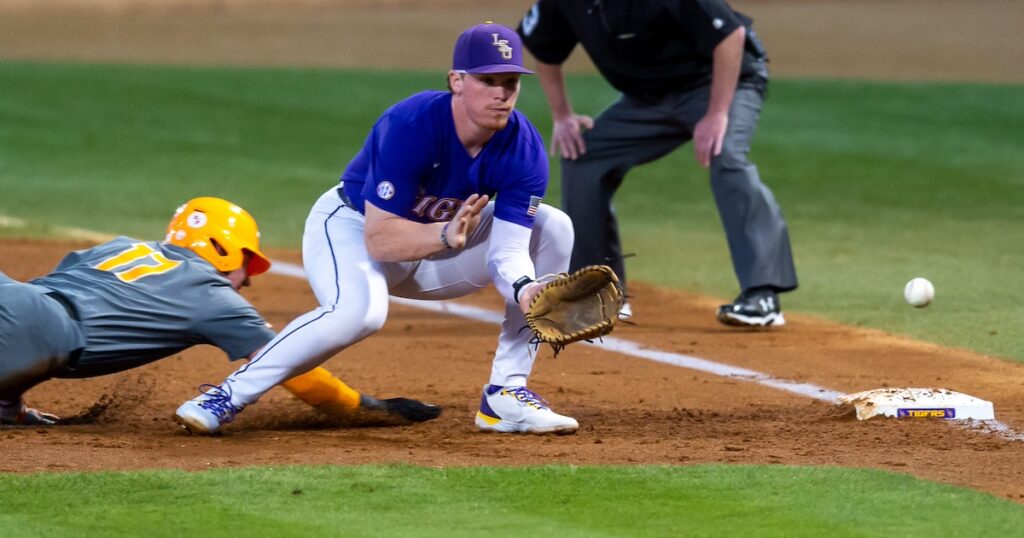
(344, 197)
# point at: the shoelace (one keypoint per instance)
(528, 397)
(218, 401)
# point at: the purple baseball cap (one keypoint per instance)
(489, 48)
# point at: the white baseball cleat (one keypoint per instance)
(625, 312)
(520, 410)
(206, 413)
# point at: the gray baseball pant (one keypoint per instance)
(37, 337)
(635, 131)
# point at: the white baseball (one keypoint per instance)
(919, 292)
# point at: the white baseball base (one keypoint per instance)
(918, 403)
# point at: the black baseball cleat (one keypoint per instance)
(753, 309)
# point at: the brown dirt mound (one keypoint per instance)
(630, 410)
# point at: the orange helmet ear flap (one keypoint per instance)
(220, 232)
(258, 263)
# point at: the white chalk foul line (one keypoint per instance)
(633, 349)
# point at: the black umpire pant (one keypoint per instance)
(635, 131)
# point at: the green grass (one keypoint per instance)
(545, 501)
(117, 148)
(879, 182)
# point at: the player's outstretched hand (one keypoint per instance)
(379, 412)
(527, 294)
(567, 134)
(395, 410)
(466, 220)
(20, 415)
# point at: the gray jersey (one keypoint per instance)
(140, 301)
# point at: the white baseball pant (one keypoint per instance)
(352, 289)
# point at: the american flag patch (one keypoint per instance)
(534, 204)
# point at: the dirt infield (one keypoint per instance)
(630, 410)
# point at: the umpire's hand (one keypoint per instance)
(708, 137)
(567, 134)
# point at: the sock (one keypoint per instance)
(319, 387)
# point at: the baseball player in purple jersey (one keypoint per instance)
(443, 199)
(126, 303)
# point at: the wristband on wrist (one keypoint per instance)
(518, 285)
(444, 236)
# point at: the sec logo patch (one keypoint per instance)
(385, 190)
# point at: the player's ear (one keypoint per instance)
(455, 80)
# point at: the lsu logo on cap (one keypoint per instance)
(503, 47)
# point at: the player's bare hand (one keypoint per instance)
(526, 295)
(466, 219)
(708, 137)
(567, 135)
(20, 415)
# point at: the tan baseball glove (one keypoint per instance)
(583, 305)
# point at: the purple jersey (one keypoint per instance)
(414, 166)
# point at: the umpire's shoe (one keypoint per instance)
(520, 410)
(753, 308)
(204, 414)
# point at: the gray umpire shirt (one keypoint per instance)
(138, 301)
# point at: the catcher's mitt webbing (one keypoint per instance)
(580, 306)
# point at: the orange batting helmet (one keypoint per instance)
(220, 232)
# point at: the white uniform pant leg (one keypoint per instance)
(455, 274)
(353, 295)
(551, 250)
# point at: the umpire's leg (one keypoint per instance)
(628, 133)
(754, 226)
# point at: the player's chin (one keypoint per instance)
(497, 122)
